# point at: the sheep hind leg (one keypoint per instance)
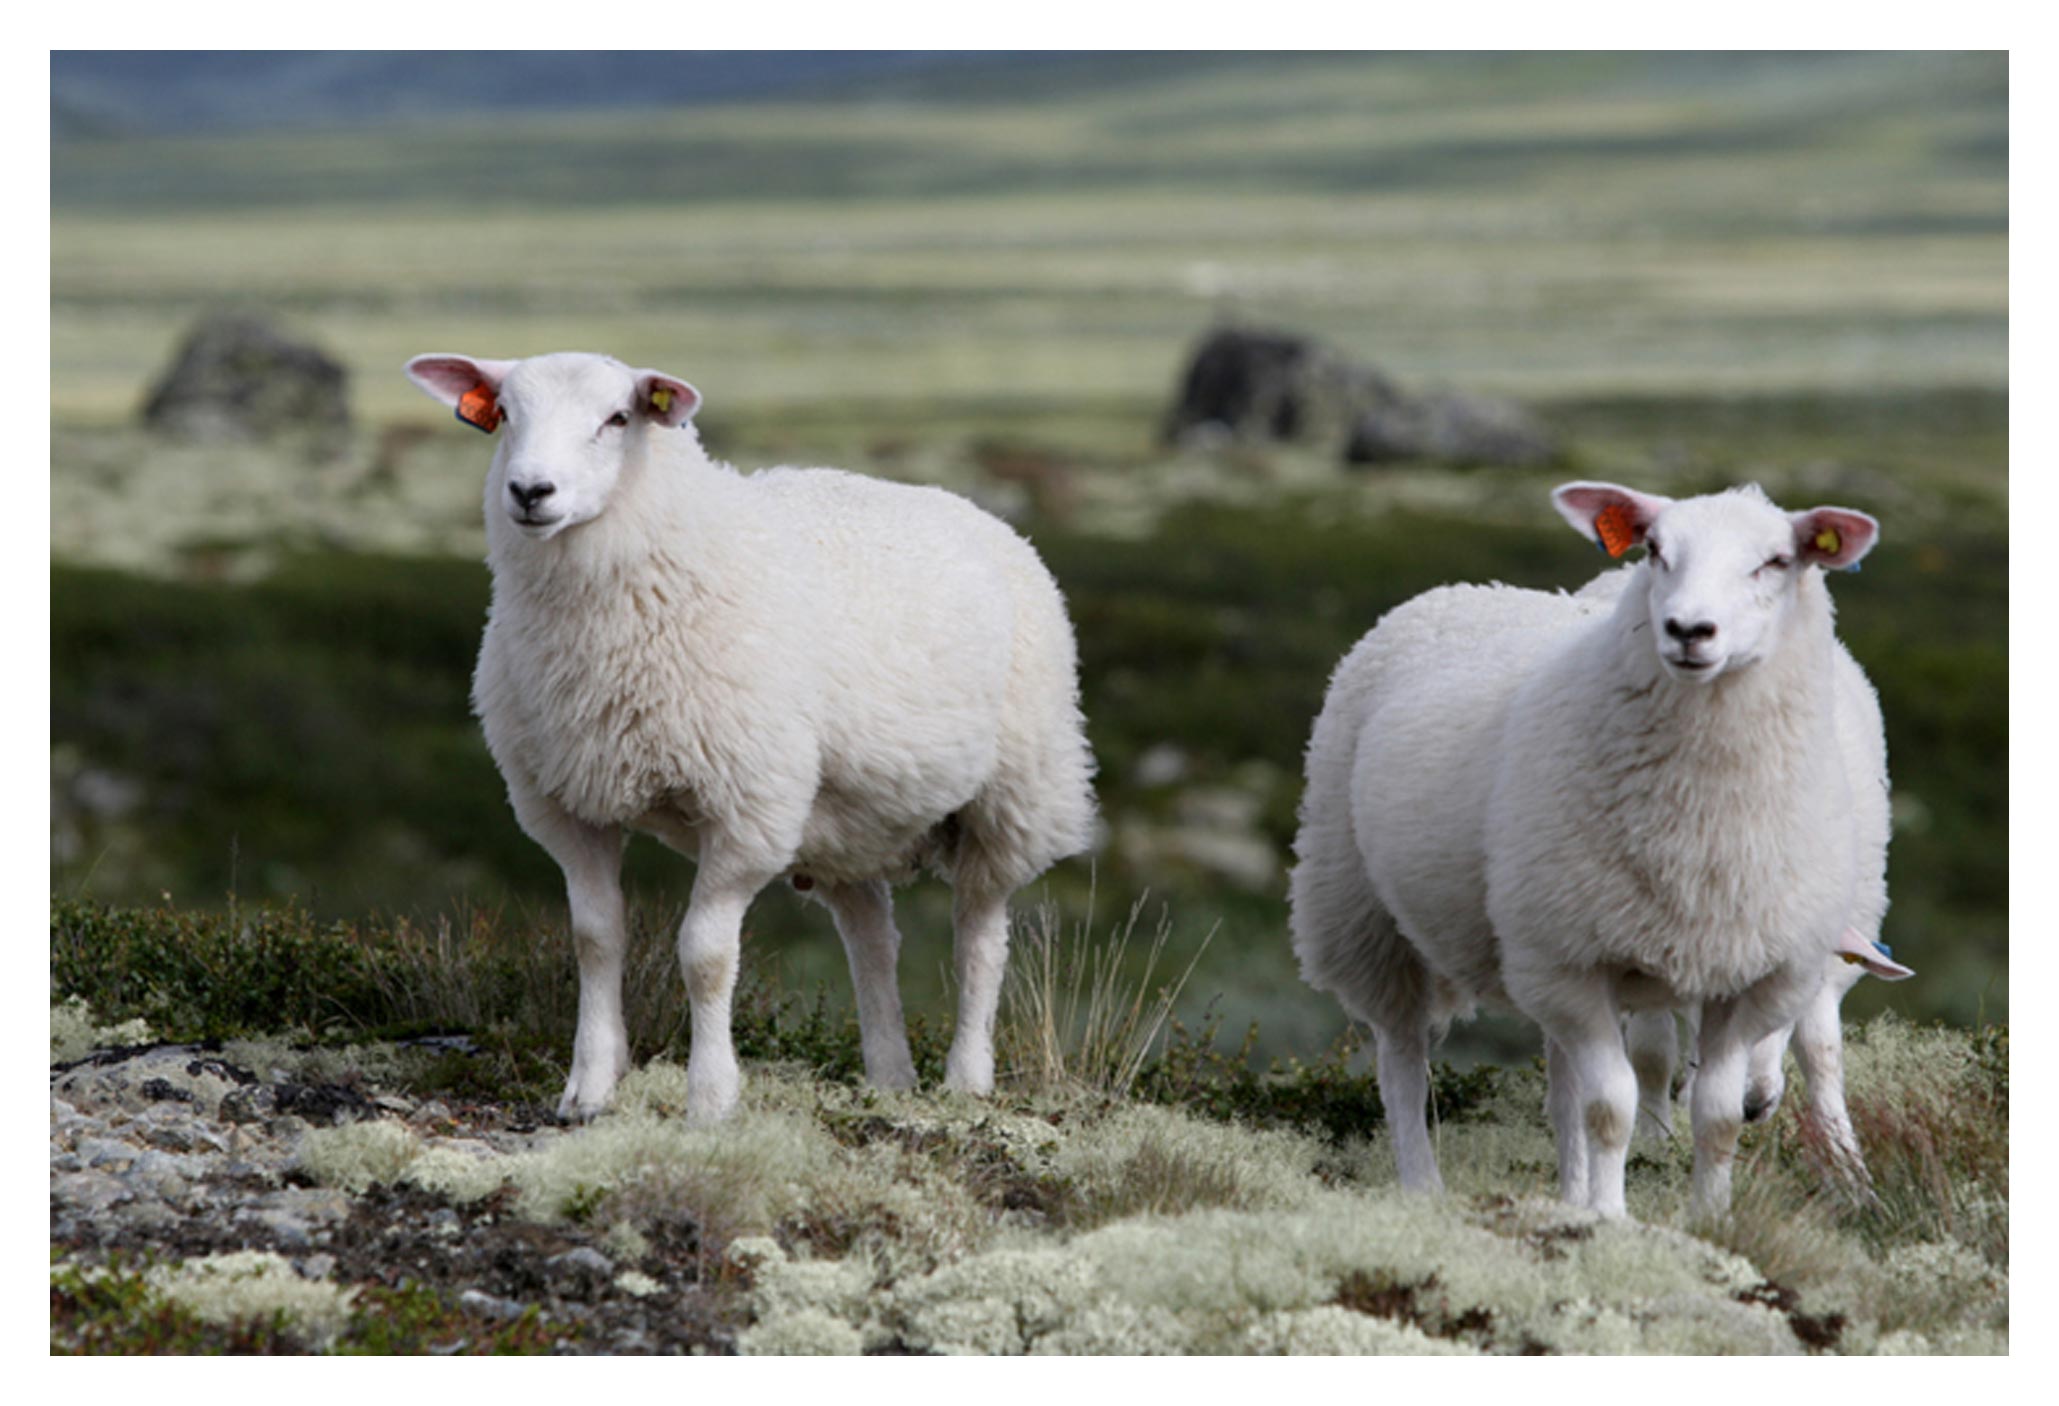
(979, 923)
(1819, 1049)
(1402, 1049)
(1654, 1044)
(865, 920)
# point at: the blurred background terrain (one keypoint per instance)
(1450, 281)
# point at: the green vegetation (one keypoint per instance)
(1209, 1210)
(365, 785)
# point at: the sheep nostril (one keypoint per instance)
(1688, 634)
(527, 497)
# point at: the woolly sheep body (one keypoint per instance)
(795, 672)
(1817, 1036)
(1510, 798)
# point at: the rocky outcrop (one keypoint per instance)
(1244, 385)
(237, 377)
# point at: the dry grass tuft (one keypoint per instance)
(1074, 1018)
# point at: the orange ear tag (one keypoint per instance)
(478, 408)
(1616, 528)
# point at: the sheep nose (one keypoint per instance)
(1688, 634)
(528, 496)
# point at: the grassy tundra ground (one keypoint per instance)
(1700, 271)
(1113, 1197)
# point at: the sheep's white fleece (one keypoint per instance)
(1506, 800)
(827, 667)
(797, 672)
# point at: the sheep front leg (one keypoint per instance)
(979, 925)
(710, 943)
(1717, 1105)
(1718, 1108)
(1593, 1088)
(591, 856)
(1562, 1102)
(865, 920)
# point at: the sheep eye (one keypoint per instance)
(1777, 564)
(1653, 548)
(619, 419)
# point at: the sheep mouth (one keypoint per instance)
(1689, 665)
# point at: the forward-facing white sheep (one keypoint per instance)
(1587, 806)
(1817, 1036)
(799, 673)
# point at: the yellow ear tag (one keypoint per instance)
(1828, 542)
(1616, 529)
(661, 397)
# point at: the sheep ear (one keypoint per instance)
(1833, 538)
(1874, 957)
(666, 399)
(468, 383)
(1610, 516)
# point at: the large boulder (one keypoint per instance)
(237, 377)
(1450, 427)
(1244, 384)
(1247, 384)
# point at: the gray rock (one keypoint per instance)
(1450, 427)
(585, 1261)
(237, 377)
(1248, 384)
(487, 1306)
(107, 1154)
(89, 1192)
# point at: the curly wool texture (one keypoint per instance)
(1504, 771)
(826, 667)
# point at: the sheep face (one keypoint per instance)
(1721, 572)
(573, 421)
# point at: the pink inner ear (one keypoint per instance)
(667, 399)
(450, 378)
(1834, 538)
(1614, 518)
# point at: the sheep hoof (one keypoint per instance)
(969, 1073)
(573, 1109)
(711, 1096)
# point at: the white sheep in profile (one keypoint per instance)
(1588, 806)
(796, 673)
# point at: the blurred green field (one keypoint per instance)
(1700, 269)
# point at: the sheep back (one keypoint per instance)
(824, 666)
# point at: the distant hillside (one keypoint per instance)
(109, 94)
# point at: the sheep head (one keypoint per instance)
(573, 419)
(1722, 572)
